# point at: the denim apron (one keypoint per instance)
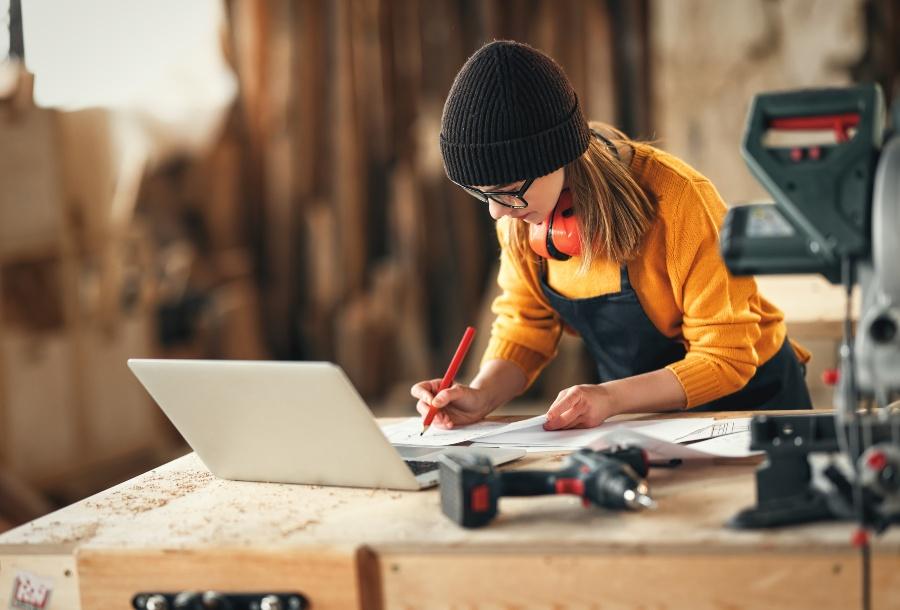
(624, 342)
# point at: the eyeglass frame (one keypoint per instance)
(487, 196)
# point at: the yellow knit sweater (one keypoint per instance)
(726, 326)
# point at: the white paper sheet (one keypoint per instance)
(729, 445)
(407, 433)
(530, 432)
(706, 435)
(721, 427)
(736, 445)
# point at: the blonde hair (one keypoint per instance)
(613, 211)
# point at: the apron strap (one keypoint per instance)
(625, 283)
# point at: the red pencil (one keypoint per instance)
(447, 381)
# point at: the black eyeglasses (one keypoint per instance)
(508, 199)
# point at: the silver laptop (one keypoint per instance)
(287, 422)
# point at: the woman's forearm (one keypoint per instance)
(655, 391)
(501, 380)
(660, 390)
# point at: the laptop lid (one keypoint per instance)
(286, 422)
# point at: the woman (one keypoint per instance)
(643, 283)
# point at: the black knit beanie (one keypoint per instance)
(511, 115)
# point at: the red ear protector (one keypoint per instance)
(557, 236)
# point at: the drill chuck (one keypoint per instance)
(639, 497)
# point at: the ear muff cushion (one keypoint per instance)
(564, 230)
(537, 237)
(557, 237)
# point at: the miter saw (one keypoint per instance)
(833, 169)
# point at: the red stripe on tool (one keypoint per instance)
(480, 498)
(570, 486)
(839, 123)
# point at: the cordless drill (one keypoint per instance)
(613, 478)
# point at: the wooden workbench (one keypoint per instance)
(178, 527)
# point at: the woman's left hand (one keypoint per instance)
(581, 406)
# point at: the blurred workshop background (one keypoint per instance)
(261, 179)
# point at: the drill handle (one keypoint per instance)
(535, 482)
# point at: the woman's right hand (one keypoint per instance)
(458, 405)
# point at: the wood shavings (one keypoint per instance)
(154, 491)
(55, 532)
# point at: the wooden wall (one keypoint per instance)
(75, 303)
(711, 57)
(366, 254)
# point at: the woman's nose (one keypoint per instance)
(498, 211)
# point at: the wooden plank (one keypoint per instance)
(811, 304)
(631, 66)
(310, 130)
(5, 434)
(31, 300)
(251, 23)
(179, 527)
(72, 237)
(278, 158)
(348, 162)
(57, 569)
(240, 336)
(371, 126)
(43, 446)
(41, 416)
(365, 16)
(559, 33)
(408, 237)
(220, 182)
(250, 27)
(31, 199)
(406, 73)
(182, 505)
(363, 340)
(327, 577)
(599, 102)
(120, 415)
(129, 172)
(651, 578)
(321, 252)
(64, 403)
(95, 178)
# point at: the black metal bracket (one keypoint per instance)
(215, 600)
(785, 494)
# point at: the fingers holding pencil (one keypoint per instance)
(442, 419)
(425, 392)
(447, 380)
(458, 405)
(429, 393)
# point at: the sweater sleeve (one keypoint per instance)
(526, 330)
(718, 324)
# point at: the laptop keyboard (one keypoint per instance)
(420, 467)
